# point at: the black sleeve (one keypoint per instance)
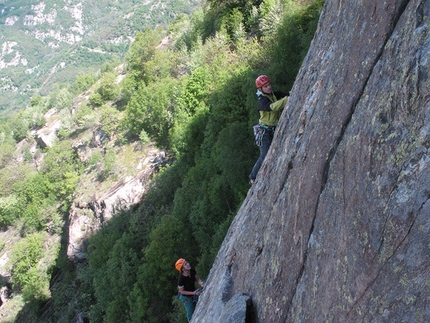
(281, 94)
(264, 103)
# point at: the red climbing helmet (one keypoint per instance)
(261, 80)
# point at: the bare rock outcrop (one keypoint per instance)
(85, 149)
(45, 137)
(99, 137)
(336, 227)
(86, 217)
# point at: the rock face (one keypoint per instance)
(86, 217)
(336, 227)
(45, 137)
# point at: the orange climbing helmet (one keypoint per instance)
(179, 263)
(261, 80)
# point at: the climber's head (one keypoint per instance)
(182, 265)
(179, 263)
(263, 83)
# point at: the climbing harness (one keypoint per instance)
(259, 131)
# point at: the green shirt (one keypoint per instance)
(271, 117)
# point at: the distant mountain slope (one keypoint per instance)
(52, 41)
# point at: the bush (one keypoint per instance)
(109, 120)
(9, 210)
(6, 154)
(96, 99)
(144, 137)
(85, 117)
(108, 88)
(82, 83)
(26, 253)
(60, 98)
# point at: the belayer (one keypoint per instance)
(270, 106)
(186, 286)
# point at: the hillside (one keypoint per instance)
(46, 43)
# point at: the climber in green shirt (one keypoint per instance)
(270, 106)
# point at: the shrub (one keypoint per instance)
(26, 253)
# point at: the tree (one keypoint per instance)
(110, 120)
(82, 83)
(60, 98)
(25, 274)
(152, 110)
(61, 168)
(108, 88)
(19, 127)
(6, 153)
(35, 101)
(142, 50)
(9, 210)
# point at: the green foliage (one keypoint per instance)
(85, 117)
(129, 86)
(234, 24)
(26, 253)
(96, 99)
(110, 120)
(95, 158)
(108, 88)
(35, 101)
(53, 219)
(152, 110)
(82, 83)
(144, 137)
(6, 134)
(293, 37)
(25, 274)
(234, 15)
(150, 298)
(186, 31)
(6, 153)
(19, 127)
(20, 124)
(37, 286)
(11, 175)
(178, 314)
(108, 163)
(161, 66)
(32, 195)
(196, 90)
(61, 168)
(109, 66)
(106, 37)
(113, 255)
(9, 210)
(142, 50)
(60, 98)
